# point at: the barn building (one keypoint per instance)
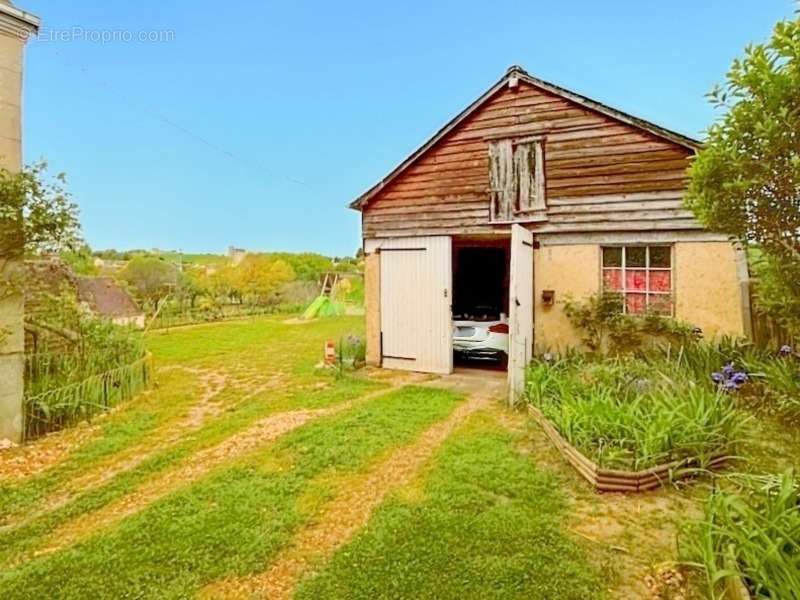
(531, 195)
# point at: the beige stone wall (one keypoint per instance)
(372, 304)
(11, 311)
(707, 292)
(706, 285)
(571, 271)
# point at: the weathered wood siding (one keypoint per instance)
(601, 174)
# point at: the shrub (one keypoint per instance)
(607, 331)
(753, 533)
(778, 291)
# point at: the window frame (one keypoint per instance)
(647, 269)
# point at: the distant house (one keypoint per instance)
(49, 279)
(105, 298)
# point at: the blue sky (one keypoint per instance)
(258, 121)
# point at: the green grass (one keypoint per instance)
(265, 345)
(18, 540)
(233, 521)
(488, 526)
(483, 503)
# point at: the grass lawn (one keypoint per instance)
(244, 448)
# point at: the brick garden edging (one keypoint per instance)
(611, 480)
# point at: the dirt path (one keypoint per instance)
(164, 437)
(190, 470)
(347, 513)
(43, 454)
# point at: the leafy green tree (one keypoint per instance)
(37, 216)
(305, 265)
(745, 182)
(151, 278)
(259, 277)
(746, 179)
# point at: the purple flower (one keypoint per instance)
(728, 378)
(728, 370)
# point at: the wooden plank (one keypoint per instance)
(428, 208)
(621, 216)
(610, 207)
(620, 226)
(609, 198)
(466, 216)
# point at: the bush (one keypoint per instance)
(753, 533)
(607, 331)
(778, 292)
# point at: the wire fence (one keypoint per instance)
(68, 405)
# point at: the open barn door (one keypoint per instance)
(520, 343)
(416, 291)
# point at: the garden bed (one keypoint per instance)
(615, 480)
(632, 424)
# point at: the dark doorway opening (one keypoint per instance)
(480, 302)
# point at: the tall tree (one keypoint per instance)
(745, 182)
(258, 277)
(151, 278)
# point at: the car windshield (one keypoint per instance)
(477, 313)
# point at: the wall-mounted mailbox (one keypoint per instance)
(548, 297)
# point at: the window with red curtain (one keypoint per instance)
(642, 274)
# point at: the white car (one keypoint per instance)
(481, 337)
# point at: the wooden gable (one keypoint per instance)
(601, 172)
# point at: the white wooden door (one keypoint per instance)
(520, 342)
(416, 295)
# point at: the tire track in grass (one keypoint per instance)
(347, 513)
(53, 450)
(190, 470)
(167, 434)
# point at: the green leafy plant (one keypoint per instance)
(606, 330)
(102, 365)
(631, 413)
(37, 216)
(351, 353)
(753, 533)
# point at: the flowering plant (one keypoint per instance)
(729, 378)
(785, 351)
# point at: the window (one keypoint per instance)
(516, 177)
(642, 274)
